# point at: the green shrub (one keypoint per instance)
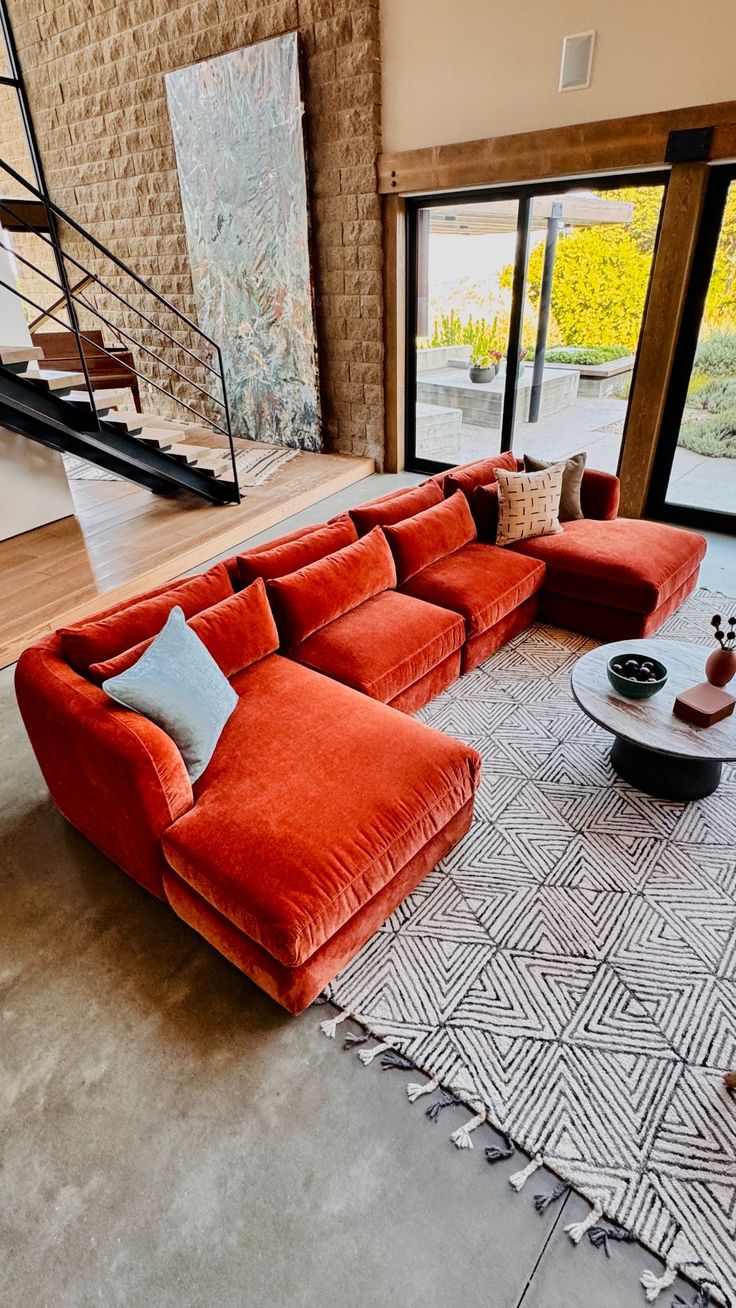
(717, 395)
(714, 436)
(482, 336)
(583, 354)
(716, 355)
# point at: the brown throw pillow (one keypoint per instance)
(572, 479)
(528, 504)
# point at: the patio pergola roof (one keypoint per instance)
(488, 217)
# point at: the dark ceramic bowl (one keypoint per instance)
(626, 683)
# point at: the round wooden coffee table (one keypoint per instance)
(652, 749)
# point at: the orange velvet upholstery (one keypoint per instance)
(481, 473)
(599, 496)
(430, 535)
(479, 648)
(625, 564)
(237, 631)
(480, 582)
(105, 635)
(600, 493)
(116, 776)
(326, 818)
(604, 622)
(395, 506)
(278, 558)
(296, 987)
(385, 645)
(307, 600)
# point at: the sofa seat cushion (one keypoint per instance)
(480, 582)
(385, 645)
(315, 798)
(625, 563)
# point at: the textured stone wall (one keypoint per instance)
(94, 72)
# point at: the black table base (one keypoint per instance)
(662, 774)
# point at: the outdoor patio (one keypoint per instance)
(594, 425)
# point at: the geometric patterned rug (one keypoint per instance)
(569, 970)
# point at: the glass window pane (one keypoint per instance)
(703, 473)
(590, 258)
(13, 144)
(463, 310)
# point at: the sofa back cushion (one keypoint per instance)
(430, 535)
(395, 507)
(237, 632)
(97, 639)
(278, 558)
(480, 473)
(307, 600)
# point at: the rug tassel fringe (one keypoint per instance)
(446, 1100)
(366, 1056)
(330, 1025)
(653, 1284)
(496, 1155)
(576, 1230)
(392, 1061)
(352, 1039)
(543, 1201)
(519, 1179)
(461, 1137)
(600, 1235)
(415, 1091)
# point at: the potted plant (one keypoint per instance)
(483, 365)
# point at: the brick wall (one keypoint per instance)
(94, 74)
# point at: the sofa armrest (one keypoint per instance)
(113, 774)
(599, 494)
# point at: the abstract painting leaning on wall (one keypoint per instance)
(237, 125)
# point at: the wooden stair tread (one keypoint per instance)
(104, 399)
(10, 354)
(52, 380)
(166, 424)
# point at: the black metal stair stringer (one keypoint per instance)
(46, 418)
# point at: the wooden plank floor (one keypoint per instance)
(125, 540)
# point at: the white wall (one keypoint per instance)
(33, 485)
(461, 71)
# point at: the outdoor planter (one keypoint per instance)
(482, 374)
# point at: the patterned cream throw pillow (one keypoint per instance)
(528, 504)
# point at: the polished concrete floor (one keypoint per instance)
(170, 1139)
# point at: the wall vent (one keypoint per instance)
(577, 61)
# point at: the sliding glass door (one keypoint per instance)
(524, 313)
(695, 471)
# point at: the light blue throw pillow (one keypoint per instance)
(177, 684)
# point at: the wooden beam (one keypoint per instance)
(673, 260)
(612, 145)
(394, 320)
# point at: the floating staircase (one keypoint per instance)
(46, 406)
(66, 411)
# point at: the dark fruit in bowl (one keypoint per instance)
(638, 676)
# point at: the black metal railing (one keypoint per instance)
(72, 297)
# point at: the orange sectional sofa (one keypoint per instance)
(323, 807)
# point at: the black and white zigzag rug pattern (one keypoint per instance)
(569, 970)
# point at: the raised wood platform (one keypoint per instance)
(125, 540)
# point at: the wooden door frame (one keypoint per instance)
(611, 146)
